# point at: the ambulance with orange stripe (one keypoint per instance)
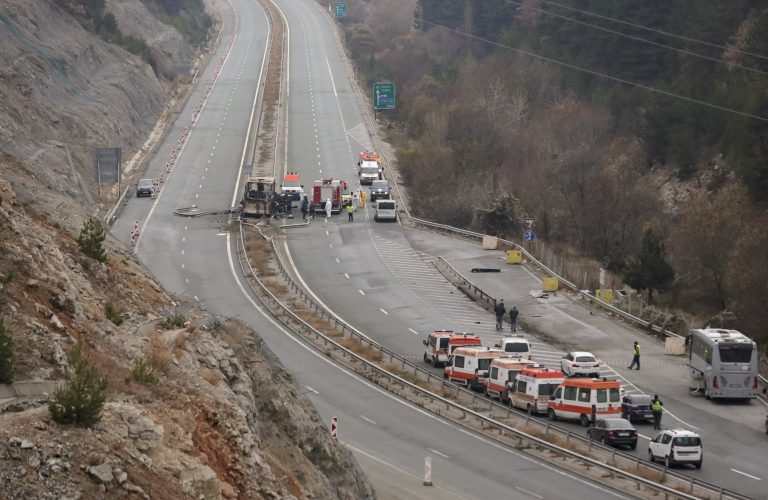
(440, 344)
(532, 388)
(574, 397)
(502, 375)
(470, 366)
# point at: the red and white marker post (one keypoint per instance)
(334, 427)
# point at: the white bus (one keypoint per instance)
(722, 364)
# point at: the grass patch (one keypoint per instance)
(143, 372)
(113, 314)
(158, 354)
(213, 377)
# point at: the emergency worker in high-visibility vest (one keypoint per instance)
(657, 407)
(635, 356)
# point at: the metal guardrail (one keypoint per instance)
(479, 294)
(487, 421)
(546, 426)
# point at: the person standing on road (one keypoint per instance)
(362, 198)
(304, 208)
(657, 407)
(499, 309)
(635, 356)
(593, 419)
(356, 198)
(350, 212)
(328, 207)
(513, 318)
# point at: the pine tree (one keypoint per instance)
(81, 400)
(650, 269)
(91, 240)
(6, 355)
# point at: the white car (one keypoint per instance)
(676, 446)
(580, 363)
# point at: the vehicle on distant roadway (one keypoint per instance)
(515, 345)
(636, 407)
(580, 363)
(722, 364)
(324, 190)
(369, 171)
(145, 187)
(614, 431)
(385, 210)
(292, 185)
(440, 344)
(470, 366)
(532, 388)
(676, 446)
(575, 397)
(379, 190)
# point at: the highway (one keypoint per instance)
(379, 277)
(194, 257)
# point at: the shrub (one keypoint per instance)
(11, 275)
(113, 314)
(143, 372)
(7, 349)
(91, 240)
(81, 400)
(175, 321)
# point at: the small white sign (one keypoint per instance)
(529, 222)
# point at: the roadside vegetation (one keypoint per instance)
(668, 196)
(7, 354)
(81, 400)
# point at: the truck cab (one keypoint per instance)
(469, 366)
(502, 375)
(327, 189)
(369, 171)
(440, 344)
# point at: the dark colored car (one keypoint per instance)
(636, 407)
(144, 187)
(614, 431)
(379, 190)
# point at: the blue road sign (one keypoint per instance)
(341, 9)
(529, 235)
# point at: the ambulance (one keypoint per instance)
(440, 344)
(292, 186)
(574, 397)
(532, 388)
(502, 375)
(470, 366)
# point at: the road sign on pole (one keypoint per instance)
(341, 9)
(529, 235)
(529, 222)
(383, 96)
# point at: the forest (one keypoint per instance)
(636, 133)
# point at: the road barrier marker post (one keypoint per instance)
(427, 471)
(334, 427)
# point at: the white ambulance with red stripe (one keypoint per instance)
(502, 375)
(440, 344)
(470, 365)
(532, 388)
(573, 399)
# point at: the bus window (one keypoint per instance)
(735, 353)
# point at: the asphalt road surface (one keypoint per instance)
(381, 279)
(194, 256)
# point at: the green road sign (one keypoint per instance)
(341, 9)
(383, 96)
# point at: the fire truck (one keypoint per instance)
(440, 344)
(470, 366)
(325, 189)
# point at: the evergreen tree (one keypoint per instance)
(6, 355)
(91, 240)
(80, 401)
(649, 269)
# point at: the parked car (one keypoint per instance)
(676, 446)
(636, 407)
(614, 431)
(379, 190)
(385, 210)
(144, 188)
(580, 363)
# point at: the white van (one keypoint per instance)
(385, 210)
(515, 345)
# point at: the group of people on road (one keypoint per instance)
(357, 201)
(500, 309)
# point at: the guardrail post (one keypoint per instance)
(721, 493)
(568, 437)
(546, 429)
(691, 485)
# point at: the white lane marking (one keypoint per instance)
(346, 275)
(413, 331)
(330, 245)
(182, 251)
(367, 419)
(438, 453)
(182, 266)
(221, 234)
(528, 492)
(361, 292)
(311, 389)
(382, 310)
(745, 474)
(327, 233)
(186, 280)
(338, 261)
(184, 239)
(185, 228)
(196, 299)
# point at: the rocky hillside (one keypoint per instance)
(223, 418)
(216, 424)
